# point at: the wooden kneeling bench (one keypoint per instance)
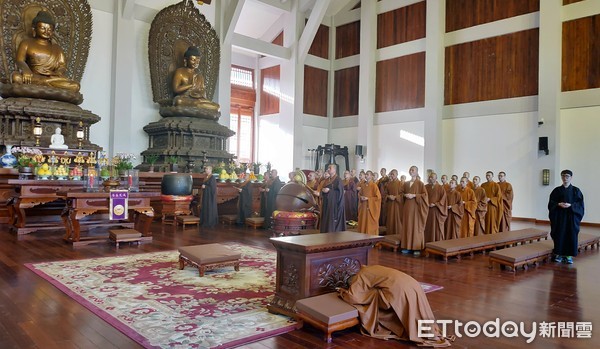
(255, 222)
(229, 219)
(328, 313)
(208, 257)
(391, 241)
(183, 220)
(124, 235)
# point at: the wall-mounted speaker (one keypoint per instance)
(358, 150)
(543, 145)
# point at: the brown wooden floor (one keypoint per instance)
(34, 314)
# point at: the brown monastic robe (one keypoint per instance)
(467, 224)
(494, 212)
(414, 216)
(390, 304)
(382, 184)
(480, 212)
(394, 207)
(446, 187)
(434, 227)
(455, 213)
(368, 211)
(507, 200)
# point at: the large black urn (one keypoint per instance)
(179, 184)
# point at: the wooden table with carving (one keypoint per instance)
(82, 204)
(310, 265)
(39, 194)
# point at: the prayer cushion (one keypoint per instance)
(120, 234)
(209, 253)
(327, 308)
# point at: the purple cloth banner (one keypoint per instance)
(118, 204)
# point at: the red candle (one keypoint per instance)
(130, 180)
(91, 180)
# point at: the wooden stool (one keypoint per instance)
(391, 241)
(255, 222)
(229, 219)
(183, 220)
(328, 313)
(208, 256)
(124, 235)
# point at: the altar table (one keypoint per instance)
(310, 265)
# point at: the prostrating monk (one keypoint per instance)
(445, 183)
(481, 207)
(244, 201)
(467, 224)
(350, 198)
(390, 304)
(438, 210)
(394, 204)
(333, 217)
(456, 209)
(494, 201)
(381, 184)
(40, 61)
(507, 200)
(188, 83)
(414, 214)
(209, 214)
(272, 191)
(369, 207)
(566, 211)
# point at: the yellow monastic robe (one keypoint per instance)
(481, 210)
(455, 213)
(414, 216)
(369, 210)
(467, 224)
(393, 222)
(507, 200)
(494, 209)
(434, 228)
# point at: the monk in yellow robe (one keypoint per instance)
(481, 199)
(456, 209)
(507, 200)
(467, 224)
(494, 201)
(438, 210)
(393, 188)
(414, 214)
(369, 206)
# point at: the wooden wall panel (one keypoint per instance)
(345, 99)
(400, 83)
(501, 67)
(567, 2)
(320, 44)
(468, 13)
(269, 85)
(315, 91)
(401, 25)
(278, 40)
(581, 54)
(347, 40)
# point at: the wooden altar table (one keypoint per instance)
(82, 204)
(310, 265)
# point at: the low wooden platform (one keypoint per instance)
(459, 247)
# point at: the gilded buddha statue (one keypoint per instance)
(188, 83)
(39, 60)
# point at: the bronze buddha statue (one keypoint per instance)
(188, 83)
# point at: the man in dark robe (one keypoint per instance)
(333, 217)
(209, 215)
(566, 211)
(382, 185)
(272, 192)
(350, 197)
(244, 202)
(263, 193)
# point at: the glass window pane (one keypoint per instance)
(233, 140)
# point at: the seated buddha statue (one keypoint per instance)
(188, 84)
(57, 141)
(39, 60)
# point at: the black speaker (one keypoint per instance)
(358, 150)
(543, 145)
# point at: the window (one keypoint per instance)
(243, 99)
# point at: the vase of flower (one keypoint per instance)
(8, 160)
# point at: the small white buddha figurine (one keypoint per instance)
(57, 141)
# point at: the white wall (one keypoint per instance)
(579, 144)
(506, 142)
(395, 152)
(312, 137)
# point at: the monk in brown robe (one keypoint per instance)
(507, 200)
(350, 198)
(438, 210)
(481, 207)
(494, 201)
(390, 304)
(445, 183)
(369, 207)
(414, 214)
(456, 210)
(381, 184)
(467, 224)
(468, 176)
(393, 189)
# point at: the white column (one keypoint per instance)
(434, 85)
(366, 90)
